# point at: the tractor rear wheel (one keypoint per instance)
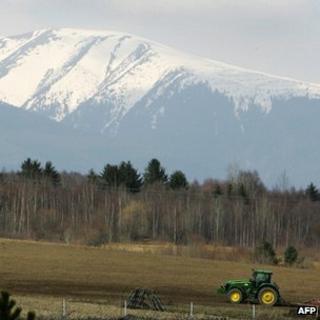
(268, 296)
(235, 296)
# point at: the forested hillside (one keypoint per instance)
(119, 204)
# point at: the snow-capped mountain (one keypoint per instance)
(55, 71)
(192, 112)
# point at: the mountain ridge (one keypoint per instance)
(120, 97)
(74, 66)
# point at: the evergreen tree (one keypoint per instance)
(8, 309)
(178, 180)
(217, 191)
(129, 177)
(92, 177)
(155, 173)
(50, 173)
(312, 192)
(290, 255)
(264, 253)
(110, 176)
(31, 169)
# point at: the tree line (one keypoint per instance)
(120, 204)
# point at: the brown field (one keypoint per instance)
(37, 272)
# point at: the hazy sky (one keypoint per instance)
(275, 36)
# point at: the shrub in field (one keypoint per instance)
(8, 309)
(264, 253)
(290, 255)
(98, 238)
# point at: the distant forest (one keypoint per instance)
(119, 204)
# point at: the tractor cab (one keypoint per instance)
(261, 276)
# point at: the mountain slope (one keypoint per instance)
(118, 97)
(25, 134)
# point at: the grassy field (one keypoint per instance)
(37, 272)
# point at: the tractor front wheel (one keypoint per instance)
(268, 296)
(235, 296)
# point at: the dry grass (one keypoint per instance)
(51, 308)
(84, 274)
(196, 250)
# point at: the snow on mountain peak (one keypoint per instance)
(55, 71)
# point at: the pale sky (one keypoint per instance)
(275, 36)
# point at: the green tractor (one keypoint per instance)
(259, 288)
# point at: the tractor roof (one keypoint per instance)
(262, 271)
